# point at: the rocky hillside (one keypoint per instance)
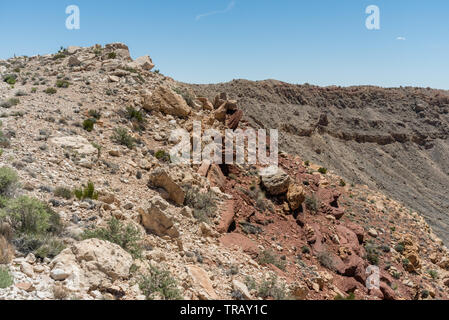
(92, 208)
(393, 140)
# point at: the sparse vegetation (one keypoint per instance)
(8, 181)
(203, 204)
(268, 257)
(325, 259)
(86, 192)
(63, 192)
(112, 55)
(6, 280)
(9, 103)
(50, 91)
(89, 124)
(10, 79)
(62, 84)
(162, 155)
(159, 283)
(128, 237)
(271, 288)
(311, 204)
(121, 136)
(322, 170)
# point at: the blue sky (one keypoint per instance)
(323, 42)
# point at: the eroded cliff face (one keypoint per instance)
(395, 140)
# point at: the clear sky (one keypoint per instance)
(323, 42)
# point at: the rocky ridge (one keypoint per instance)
(212, 232)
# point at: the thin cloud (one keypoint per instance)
(229, 8)
(401, 38)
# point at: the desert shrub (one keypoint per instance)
(62, 84)
(433, 274)
(325, 259)
(50, 90)
(10, 79)
(311, 204)
(86, 192)
(203, 204)
(342, 183)
(6, 250)
(49, 248)
(322, 170)
(60, 292)
(21, 93)
(8, 181)
(126, 236)
(268, 257)
(6, 279)
(270, 288)
(88, 124)
(305, 249)
(59, 55)
(399, 247)
(372, 255)
(63, 192)
(159, 282)
(30, 216)
(188, 97)
(10, 103)
(112, 55)
(249, 228)
(121, 136)
(95, 114)
(134, 114)
(4, 141)
(33, 90)
(162, 155)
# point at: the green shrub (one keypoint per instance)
(49, 248)
(33, 90)
(8, 181)
(433, 274)
(268, 257)
(372, 255)
(95, 114)
(305, 249)
(9, 103)
(270, 288)
(203, 204)
(50, 91)
(160, 282)
(399, 247)
(128, 237)
(6, 279)
(322, 170)
(112, 55)
(162, 155)
(63, 193)
(10, 79)
(134, 114)
(121, 136)
(342, 183)
(30, 216)
(88, 192)
(88, 124)
(62, 84)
